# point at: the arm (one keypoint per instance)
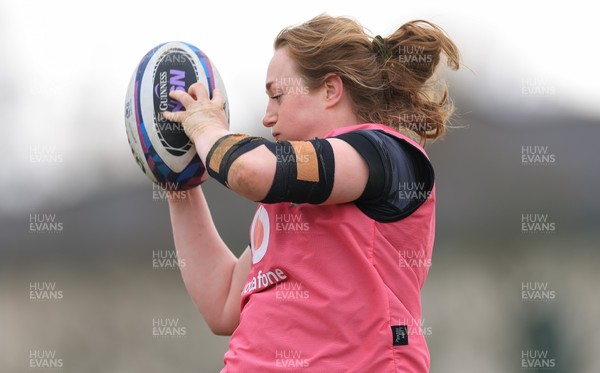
(213, 276)
(252, 174)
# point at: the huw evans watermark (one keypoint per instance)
(290, 359)
(166, 191)
(45, 154)
(45, 223)
(537, 359)
(45, 360)
(537, 86)
(537, 155)
(166, 259)
(540, 291)
(168, 328)
(413, 190)
(291, 222)
(532, 223)
(291, 291)
(44, 291)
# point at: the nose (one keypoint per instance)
(269, 119)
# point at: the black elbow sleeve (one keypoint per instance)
(304, 173)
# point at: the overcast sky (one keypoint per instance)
(65, 67)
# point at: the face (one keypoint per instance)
(293, 112)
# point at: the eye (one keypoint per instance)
(276, 97)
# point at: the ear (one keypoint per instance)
(334, 89)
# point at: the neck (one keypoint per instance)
(337, 121)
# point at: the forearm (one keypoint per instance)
(209, 264)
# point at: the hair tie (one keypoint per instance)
(380, 48)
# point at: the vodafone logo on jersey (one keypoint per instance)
(259, 234)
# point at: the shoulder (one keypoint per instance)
(397, 165)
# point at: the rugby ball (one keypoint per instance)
(160, 147)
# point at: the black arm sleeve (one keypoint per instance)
(400, 179)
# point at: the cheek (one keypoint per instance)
(287, 111)
(298, 107)
(297, 116)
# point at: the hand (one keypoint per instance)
(200, 112)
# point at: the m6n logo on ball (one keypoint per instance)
(167, 78)
(160, 147)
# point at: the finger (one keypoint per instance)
(218, 98)
(178, 116)
(183, 97)
(198, 90)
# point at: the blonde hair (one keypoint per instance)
(389, 80)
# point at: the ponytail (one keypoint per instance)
(419, 101)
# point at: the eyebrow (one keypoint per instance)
(268, 85)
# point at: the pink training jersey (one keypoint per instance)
(332, 290)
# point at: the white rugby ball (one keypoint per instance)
(160, 147)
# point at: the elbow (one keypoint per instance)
(222, 328)
(249, 179)
(220, 331)
(223, 322)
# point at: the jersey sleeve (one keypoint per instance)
(401, 177)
